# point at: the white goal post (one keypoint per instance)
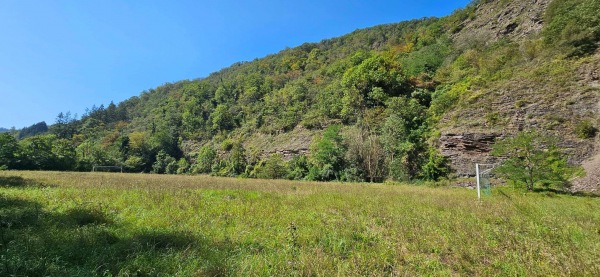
(107, 167)
(483, 174)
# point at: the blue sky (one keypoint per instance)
(59, 56)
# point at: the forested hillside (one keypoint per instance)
(393, 102)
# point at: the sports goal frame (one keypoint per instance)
(483, 173)
(116, 167)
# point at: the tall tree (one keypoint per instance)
(327, 155)
(33, 130)
(403, 137)
(9, 148)
(64, 126)
(205, 160)
(37, 152)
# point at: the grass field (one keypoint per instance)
(87, 224)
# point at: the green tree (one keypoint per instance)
(64, 155)
(436, 166)
(134, 164)
(183, 166)
(64, 126)
(163, 163)
(371, 82)
(327, 155)
(37, 152)
(172, 167)
(403, 138)
(237, 160)
(222, 119)
(532, 158)
(297, 168)
(9, 150)
(205, 160)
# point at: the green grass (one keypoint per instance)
(86, 224)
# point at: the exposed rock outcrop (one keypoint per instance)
(466, 149)
(512, 19)
(287, 154)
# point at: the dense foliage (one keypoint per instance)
(372, 99)
(33, 130)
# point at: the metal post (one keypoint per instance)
(478, 187)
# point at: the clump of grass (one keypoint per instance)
(87, 215)
(585, 129)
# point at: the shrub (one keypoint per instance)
(183, 166)
(297, 168)
(226, 145)
(134, 164)
(585, 129)
(163, 163)
(272, 168)
(172, 167)
(436, 166)
(492, 118)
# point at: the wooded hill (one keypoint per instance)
(394, 101)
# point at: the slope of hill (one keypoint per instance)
(522, 84)
(413, 100)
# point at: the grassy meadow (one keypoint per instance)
(112, 224)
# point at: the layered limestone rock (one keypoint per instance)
(466, 149)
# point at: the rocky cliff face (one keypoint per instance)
(554, 103)
(467, 149)
(590, 78)
(500, 19)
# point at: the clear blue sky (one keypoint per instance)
(59, 56)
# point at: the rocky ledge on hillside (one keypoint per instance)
(467, 149)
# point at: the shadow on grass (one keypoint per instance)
(86, 241)
(19, 182)
(552, 191)
(504, 194)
